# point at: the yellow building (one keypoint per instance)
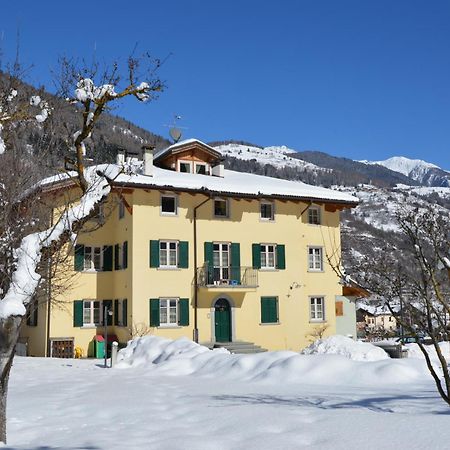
(187, 248)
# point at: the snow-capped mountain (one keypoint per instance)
(392, 187)
(277, 156)
(424, 172)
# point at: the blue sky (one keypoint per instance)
(355, 78)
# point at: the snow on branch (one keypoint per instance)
(25, 278)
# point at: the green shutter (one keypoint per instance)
(125, 255)
(183, 312)
(281, 258)
(125, 313)
(79, 257)
(256, 256)
(116, 257)
(154, 312)
(154, 253)
(269, 310)
(107, 258)
(183, 254)
(235, 262)
(108, 304)
(209, 262)
(78, 313)
(116, 312)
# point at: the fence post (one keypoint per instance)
(114, 350)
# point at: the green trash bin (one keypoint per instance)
(99, 346)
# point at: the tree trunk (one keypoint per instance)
(9, 334)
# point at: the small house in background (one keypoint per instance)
(376, 322)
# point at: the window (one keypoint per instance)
(220, 207)
(315, 262)
(121, 209)
(32, 316)
(269, 309)
(92, 313)
(168, 253)
(267, 211)
(201, 168)
(93, 258)
(169, 205)
(221, 261)
(268, 256)
(185, 166)
(120, 312)
(314, 215)
(121, 256)
(168, 311)
(317, 307)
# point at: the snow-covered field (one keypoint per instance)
(177, 395)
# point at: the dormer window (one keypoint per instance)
(201, 168)
(185, 166)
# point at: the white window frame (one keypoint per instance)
(167, 213)
(92, 252)
(317, 308)
(202, 164)
(266, 252)
(184, 161)
(221, 273)
(91, 308)
(227, 207)
(315, 259)
(314, 211)
(272, 206)
(168, 322)
(121, 209)
(167, 250)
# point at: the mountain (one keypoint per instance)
(424, 172)
(49, 141)
(370, 227)
(311, 166)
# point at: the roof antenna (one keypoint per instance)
(174, 130)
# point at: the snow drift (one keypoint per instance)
(341, 345)
(183, 357)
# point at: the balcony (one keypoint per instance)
(238, 278)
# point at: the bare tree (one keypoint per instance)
(413, 281)
(28, 240)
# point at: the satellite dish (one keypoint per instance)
(175, 134)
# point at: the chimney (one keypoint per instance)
(148, 159)
(120, 158)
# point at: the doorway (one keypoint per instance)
(222, 318)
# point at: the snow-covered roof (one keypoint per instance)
(159, 154)
(232, 183)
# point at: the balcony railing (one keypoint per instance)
(227, 277)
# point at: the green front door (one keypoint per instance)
(222, 318)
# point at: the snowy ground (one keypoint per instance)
(174, 395)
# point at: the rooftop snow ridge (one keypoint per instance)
(232, 183)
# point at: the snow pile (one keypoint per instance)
(341, 345)
(183, 357)
(415, 352)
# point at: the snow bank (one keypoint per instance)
(415, 352)
(183, 357)
(341, 345)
